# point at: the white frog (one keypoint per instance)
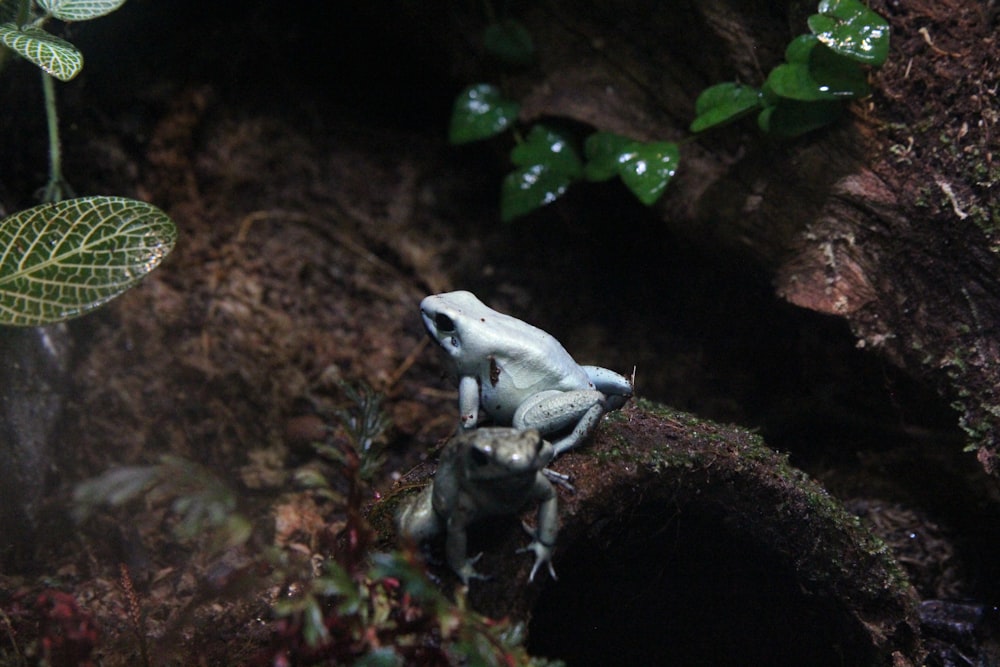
(483, 473)
(517, 374)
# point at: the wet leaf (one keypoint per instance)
(529, 188)
(549, 147)
(61, 260)
(480, 112)
(603, 150)
(57, 57)
(800, 48)
(646, 169)
(827, 76)
(852, 30)
(838, 73)
(79, 10)
(724, 103)
(791, 118)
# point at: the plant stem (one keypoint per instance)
(23, 11)
(56, 188)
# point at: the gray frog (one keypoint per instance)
(482, 473)
(517, 374)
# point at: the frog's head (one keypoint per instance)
(449, 319)
(499, 453)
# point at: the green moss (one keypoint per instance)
(752, 451)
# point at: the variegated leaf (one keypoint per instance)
(56, 56)
(61, 260)
(79, 10)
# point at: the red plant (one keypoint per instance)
(52, 627)
(68, 634)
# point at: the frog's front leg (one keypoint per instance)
(553, 411)
(544, 535)
(456, 548)
(468, 402)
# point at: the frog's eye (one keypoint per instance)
(479, 457)
(444, 323)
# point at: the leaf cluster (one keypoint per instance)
(822, 70)
(548, 161)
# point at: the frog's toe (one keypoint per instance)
(534, 569)
(559, 478)
(468, 571)
(613, 402)
(543, 554)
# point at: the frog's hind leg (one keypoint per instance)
(588, 422)
(556, 411)
(616, 388)
(416, 518)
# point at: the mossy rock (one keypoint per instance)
(693, 541)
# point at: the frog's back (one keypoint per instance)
(512, 375)
(490, 334)
(511, 359)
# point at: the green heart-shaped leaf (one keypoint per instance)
(56, 56)
(724, 103)
(602, 150)
(510, 42)
(791, 118)
(852, 30)
(646, 169)
(800, 49)
(548, 147)
(529, 188)
(480, 112)
(827, 76)
(61, 260)
(838, 73)
(79, 10)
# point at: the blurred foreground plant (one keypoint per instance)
(204, 505)
(377, 609)
(347, 606)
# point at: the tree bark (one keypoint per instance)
(887, 219)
